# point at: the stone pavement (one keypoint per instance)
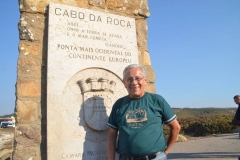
(215, 147)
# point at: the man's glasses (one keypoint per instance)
(138, 79)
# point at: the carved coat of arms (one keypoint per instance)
(97, 94)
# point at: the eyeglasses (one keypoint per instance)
(138, 79)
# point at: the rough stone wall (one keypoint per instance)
(30, 134)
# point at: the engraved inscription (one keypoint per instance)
(98, 51)
(91, 40)
(100, 155)
(91, 17)
(71, 155)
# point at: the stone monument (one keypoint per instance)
(87, 52)
(72, 55)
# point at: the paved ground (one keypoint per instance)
(216, 147)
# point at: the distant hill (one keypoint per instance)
(7, 115)
(188, 112)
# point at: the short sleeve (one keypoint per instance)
(167, 112)
(112, 118)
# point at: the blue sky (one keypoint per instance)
(9, 15)
(195, 51)
(194, 48)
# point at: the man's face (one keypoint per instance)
(237, 100)
(135, 82)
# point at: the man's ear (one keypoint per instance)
(145, 79)
(124, 82)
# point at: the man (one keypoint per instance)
(138, 118)
(236, 120)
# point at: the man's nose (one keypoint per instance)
(134, 81)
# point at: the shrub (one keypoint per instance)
(204, 125)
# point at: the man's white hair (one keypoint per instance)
(133, 66)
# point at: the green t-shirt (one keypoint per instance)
(139, 122)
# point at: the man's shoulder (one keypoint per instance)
(154, 95)
(122, 99)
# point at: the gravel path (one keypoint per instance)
(216, 147)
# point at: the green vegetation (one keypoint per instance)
(200, 121)
(189, 112)
(204, 121)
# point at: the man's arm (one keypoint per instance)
(174, 130)
(111, 145)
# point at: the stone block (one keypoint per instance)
(27, 48)
(36, 6)
(150, 74)
(136, 7)
(99, 3)
(28, 87)
(28, 135)
(144, 58)
(33, 6)
(82, 3)
(26, 111)
(29, 66)
(150, 88)
(140, 57)
(23, 152)
(144, 10)
(31, 27)
(142, 29)
(181, 138)
(117, 4)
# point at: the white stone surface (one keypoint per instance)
(87, 52)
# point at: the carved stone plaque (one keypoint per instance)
(87, 52)
(78, 124)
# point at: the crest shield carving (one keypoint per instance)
(96, 97)
(82, 100)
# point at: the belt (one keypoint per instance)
(148, 157)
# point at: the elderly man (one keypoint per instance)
(138, 118)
